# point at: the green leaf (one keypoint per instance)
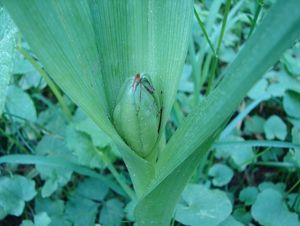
(27, 223)
(280, 187)
(242, 215)
(7, 44)
(42, 219)
(270, 209)
(293, 202)
(99, 138)
(81, 211)
(275, 128)
(54, 120)
(59, 162)
(191, 141)
(14, 191)
(293, 156)
(259, 89)
(239, 155)
(92, 189)
(51, 207)
(292, 63)
(289, 82)
(66, 46)
(55, 177)
(221, 174)
(30, 77)
(83, 148)
(55, 209)
(291, 103)
(90, 47)
(230, 221)
(145, 39)
(185, 84)
(19, 104)
(248, 195)
(112, 213)
(201, 206)
(255, 124)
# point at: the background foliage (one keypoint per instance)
(77, 177)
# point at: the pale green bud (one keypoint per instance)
(137, 114)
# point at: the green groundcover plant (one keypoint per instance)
(121, 63)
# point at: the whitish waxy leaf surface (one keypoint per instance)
(7, 44)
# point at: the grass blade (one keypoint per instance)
(257, 143)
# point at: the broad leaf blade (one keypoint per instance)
(61, 34)
(7, 44)
(277, 32)
(142, 36)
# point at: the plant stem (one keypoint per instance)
(276, 164)
(195, 71)
(293, 187)
(256, 15)
(216, 57)
(204, 31)
(116, 175)
(227, 8)
(13, 123)
(14, 141)
(50, 83)
(258, 143)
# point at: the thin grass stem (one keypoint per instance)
(256, 15)
(204, 31)
(293, 187)
(216, 57)
(257, 143)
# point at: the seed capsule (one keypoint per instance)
(136, 115)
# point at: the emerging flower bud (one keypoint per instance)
(137, 114)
